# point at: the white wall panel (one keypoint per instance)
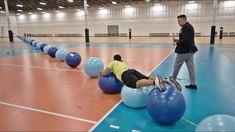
(143, 18)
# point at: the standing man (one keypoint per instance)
(185, 50)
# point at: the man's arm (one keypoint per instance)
(185, 37)
(105, 71)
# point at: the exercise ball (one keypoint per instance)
(42, 47)
(61, 54)
(31, 42)
(73, 59)
(52, 51)
(46, 48)
(110, 84)
(136, 98)
(217, 123)
(93, 66)
(166, 107)
(38, 45)
(34, 43)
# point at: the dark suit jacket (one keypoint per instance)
(186, 42)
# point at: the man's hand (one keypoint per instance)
(175, 41)
(100, 75)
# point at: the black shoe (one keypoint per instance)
(191, 86)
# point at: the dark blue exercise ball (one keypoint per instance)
(166, 107)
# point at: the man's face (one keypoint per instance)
(181, 21)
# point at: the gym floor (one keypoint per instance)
(38, 92)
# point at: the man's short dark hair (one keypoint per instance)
(117, 57)
(182, 16)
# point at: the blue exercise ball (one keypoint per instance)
(61, 54)
(46, 48)
(110, 84)
(52, 51)
(93, 66)
(31, 42)
(42, 47)
(166, 107)
(136, 98)
(217, 123)
(73, 59)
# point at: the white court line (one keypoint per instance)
(114, 126)
(135, 130)
(121, 100)
(160, 63)
(39, 67)
(190, 122)
(49, 113)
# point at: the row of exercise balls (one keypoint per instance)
(72, 59)
(93, 65)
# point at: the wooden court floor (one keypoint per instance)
(40, 93)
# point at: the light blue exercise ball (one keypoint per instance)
(34, 43)
(136, 98)
(217, 123)
(61, 54)
(38, 45)
(93, 66)
(46, 48)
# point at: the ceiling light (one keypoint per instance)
(0, 7)
(147, 0)
(17, 14)
(61, 7)
(80, 13)
(103, 11)
(30, 13)
(60, 14)
(229, 3)
(42, 3)
(191, 2)
(46, 15)
(20, 10)
(113, 2)
(39, 9)
(33, 16)
(22, 16)
(2, 11)
(43, 12)
(19, 5)
(70, 1)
